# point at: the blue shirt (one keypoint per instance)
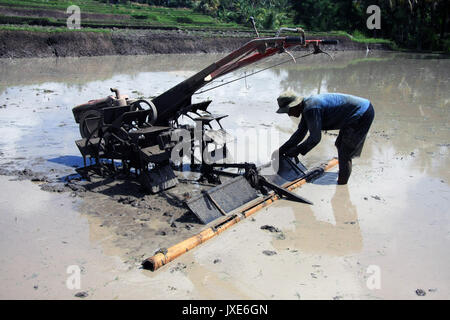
(327, 111)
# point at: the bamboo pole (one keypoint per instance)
(161, 258)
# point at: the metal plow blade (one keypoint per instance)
(288, 171)
(221, 200)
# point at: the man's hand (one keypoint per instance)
(292, 152)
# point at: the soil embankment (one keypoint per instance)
(28, 44)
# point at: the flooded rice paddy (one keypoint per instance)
(393, 216)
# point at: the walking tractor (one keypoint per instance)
(146, 139)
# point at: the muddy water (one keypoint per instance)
(393, 215)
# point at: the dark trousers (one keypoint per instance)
(350, 142)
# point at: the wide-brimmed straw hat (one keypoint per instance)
(287, 100)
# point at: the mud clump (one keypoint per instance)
(420, 292)
(270, 228)
(280, 234)
(25, 174)
(137, 202)
(54, 187)
(76, 186)
(269, 253)
(81, 294)
(132, 201)
(179, 267)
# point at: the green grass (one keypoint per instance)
(138, 16)
(50, 29)
(105, 23)
(135, 14)
(357, 37)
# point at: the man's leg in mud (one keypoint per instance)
(345, 167)
(350, 143)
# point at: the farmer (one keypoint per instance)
(329, 111)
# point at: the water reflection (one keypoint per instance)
(387, 80)
(78, 72)
(312, 235)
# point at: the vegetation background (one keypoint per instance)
(411, 24)
(414, 24)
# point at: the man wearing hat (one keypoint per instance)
(329, 111)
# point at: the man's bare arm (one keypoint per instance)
(296, 138)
